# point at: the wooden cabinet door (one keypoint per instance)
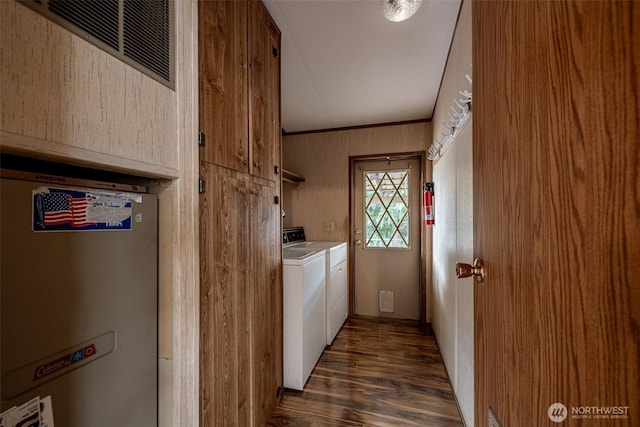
(223, 75)
(224, 299)
(266, 302)
(556, 212)
(264, 125)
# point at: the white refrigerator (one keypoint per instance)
(78, 301)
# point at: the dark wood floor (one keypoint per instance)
(376, 373)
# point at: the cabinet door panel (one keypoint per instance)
(265, 129)
(224, 299)
(223, 74)
(266, 302)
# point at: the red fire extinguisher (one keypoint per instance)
(427, 199)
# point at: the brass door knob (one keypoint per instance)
(465, 270)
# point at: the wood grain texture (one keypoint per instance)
(323, 160)
(557, 207)
(265, 289)
(376, 373)
(63, 99)
(264, 119)
(184, 230)
(240, 300)
(223, 74)
(58, 88)
(241, 260)
(224, 298)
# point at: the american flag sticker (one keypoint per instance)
(61, 209)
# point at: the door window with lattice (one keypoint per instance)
(386, 209)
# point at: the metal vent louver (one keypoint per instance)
(139, 32)
(146, 34)
(98, 18)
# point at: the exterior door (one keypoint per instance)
(557, 212)
(386, 197)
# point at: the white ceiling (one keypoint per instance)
(344, 64)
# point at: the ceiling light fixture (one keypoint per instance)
(400, 10)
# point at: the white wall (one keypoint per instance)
(452, 298)
(453, 242)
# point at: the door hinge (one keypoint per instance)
(275, 52)
(200, 186)
(276, 200)
(276, 170)
(201, 139)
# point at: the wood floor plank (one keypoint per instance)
(377, 373)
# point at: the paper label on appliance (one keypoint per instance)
(71, 209)
(34, 413)
(26, 415)
(46, 412)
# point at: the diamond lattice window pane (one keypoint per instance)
(403, 228)
(375, 210)
(387, 208)
(397, 210)
(397, 241)
(369, 229)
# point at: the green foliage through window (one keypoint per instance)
(386, 211)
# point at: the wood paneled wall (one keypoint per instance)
(184, 227)
(322, 158)
(63, 99)
(66, 99)
(240, 234)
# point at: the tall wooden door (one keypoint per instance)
(223, 82)
(265, 289)
(264, 119)
(225, 342)
(557, 211)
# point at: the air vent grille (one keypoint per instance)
(99, 19)
(139, 32)
(146, 34)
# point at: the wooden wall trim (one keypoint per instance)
(49, 150)
(186, 279)
(375, 125)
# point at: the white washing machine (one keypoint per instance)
(337, 304)
(304, 313)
